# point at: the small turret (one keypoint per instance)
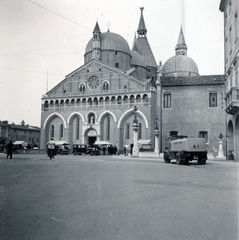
(142, 31)
(181, 47)
(96, 42)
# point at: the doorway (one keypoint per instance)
(91, 140)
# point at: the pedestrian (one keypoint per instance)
(104, 149)
(51, 149)
(125, 150)
(115, 150)
(10, 147)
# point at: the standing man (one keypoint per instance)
(9, 149)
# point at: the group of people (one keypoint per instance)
(51, 149)
(111, 149)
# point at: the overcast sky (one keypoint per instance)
(50, 36)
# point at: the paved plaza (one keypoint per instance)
(116, 197)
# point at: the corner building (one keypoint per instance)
(97, 100)
(230, 8)
(192, 105)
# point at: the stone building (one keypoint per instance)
(21, 132)
(230, 8)
(192, 105)
(97, 100)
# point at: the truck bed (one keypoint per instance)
(189, 145)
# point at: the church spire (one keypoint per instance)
(141, 28)
(96, 42)
(181, 47)
(97, 28)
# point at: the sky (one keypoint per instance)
(44, 40)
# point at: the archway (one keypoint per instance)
(230, 138)
(126, 130)
(236, 139)
(75, 122)
(90, 136)
(54, 127)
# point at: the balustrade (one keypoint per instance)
(78, 107)
(232, 100)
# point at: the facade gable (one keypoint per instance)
(96, 77)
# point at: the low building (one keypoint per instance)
(21, 132)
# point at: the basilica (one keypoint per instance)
(96, 101)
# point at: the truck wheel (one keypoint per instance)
(202, 161)
(75, 153)
(178, 160)
(166, 158)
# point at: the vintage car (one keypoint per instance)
(93, 150)
(78, 149)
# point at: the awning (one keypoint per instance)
(61, 143)
(144, 141)
(24, 144)
(102, 143)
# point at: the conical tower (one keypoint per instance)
(142, 31)
(181, 47)
(142, 46)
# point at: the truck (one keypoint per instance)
(185, 149)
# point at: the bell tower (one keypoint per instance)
(96, 42)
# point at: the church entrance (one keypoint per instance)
(90, 136)
(91, 140)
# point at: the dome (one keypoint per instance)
(137, 59)
(110, 41)
(181, 65)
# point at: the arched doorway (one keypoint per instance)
(75, 128)
(90, 136)
(236, 139)
(230, 137)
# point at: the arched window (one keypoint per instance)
(108, 128)
(82, 88)
(105, 86)
(78, 128)
(52, 131)
(132, 101)
(61, 130)
(46, 105)
(140, 131)
(127, 131)
(91, 118)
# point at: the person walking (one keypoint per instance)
(104, 149)
(10, 147)
(51, 149)
(115, 150)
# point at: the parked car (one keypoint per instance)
(62, 149)
(93, 150)
(78, 149)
